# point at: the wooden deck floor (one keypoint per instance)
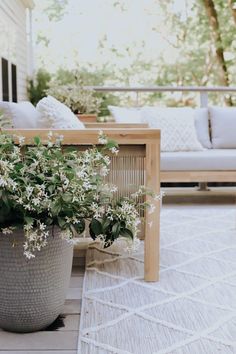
(61, 341)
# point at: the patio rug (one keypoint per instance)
(192, 310)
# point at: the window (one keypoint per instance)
(5, 83)
(14, 82)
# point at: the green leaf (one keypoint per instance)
(66, 197)
(51, 188)
(37, 140)
(127, 233)
(61, 222)
(105, 225)
(48, 221)
(29, 220)
(95, 228)
(80, 226)
(55, 208)
(111, 143)
(116, 230)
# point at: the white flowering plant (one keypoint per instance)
(47, 185)
(78, 99)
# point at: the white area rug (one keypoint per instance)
(192, 310)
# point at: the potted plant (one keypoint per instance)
(81, 101)
(47, 195)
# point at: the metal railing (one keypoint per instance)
(202, 90)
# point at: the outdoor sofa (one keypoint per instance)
(216, 161)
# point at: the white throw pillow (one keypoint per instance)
(223, 127)
(178, 131)
(22, 115)
(56, 115)
(126, 114)
(202, 126)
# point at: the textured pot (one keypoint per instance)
(32, 292)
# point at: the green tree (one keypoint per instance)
(38, 86)
(203, 41)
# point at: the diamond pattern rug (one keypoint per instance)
(191, 310)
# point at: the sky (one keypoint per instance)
(98, 32)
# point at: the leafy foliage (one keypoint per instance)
(44, 186)
(37, 87)
(75, 97)
(67, 87)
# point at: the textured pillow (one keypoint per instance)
(202, 127)
(125, 114)
(55, 115)
(22, 115)
(178, 132)
(223, 127)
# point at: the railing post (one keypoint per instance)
(203, 99)
(137, 98)
(202, 186)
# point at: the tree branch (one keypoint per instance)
(219, 47)
(232, 5)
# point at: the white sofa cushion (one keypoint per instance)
(126, 114)
(202, 126)
(223, 127)
(55, 115)
(22, 115)
(207, 160)
(177, 126)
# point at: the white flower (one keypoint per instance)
(87, 185)
(29, 190)
(50, 135)
(7, 230)
(42, 226)
(114, 150)
(102, 138)
(36, 201)
(104, 171)
(159, 196)
(107, 160)
(66, 234)
(21, 140)
(3, 182)
(29, 254)
(113, 189)
(152, 208)
(150, 224)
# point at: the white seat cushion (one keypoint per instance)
(207, 160)
(22, 115)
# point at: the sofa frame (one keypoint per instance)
(174, 176)
(139, 148)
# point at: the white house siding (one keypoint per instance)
(13, 43)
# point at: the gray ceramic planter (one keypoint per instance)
(32, 292)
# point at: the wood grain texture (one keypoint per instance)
(198, 176)
(90, 136)
(152, 220)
